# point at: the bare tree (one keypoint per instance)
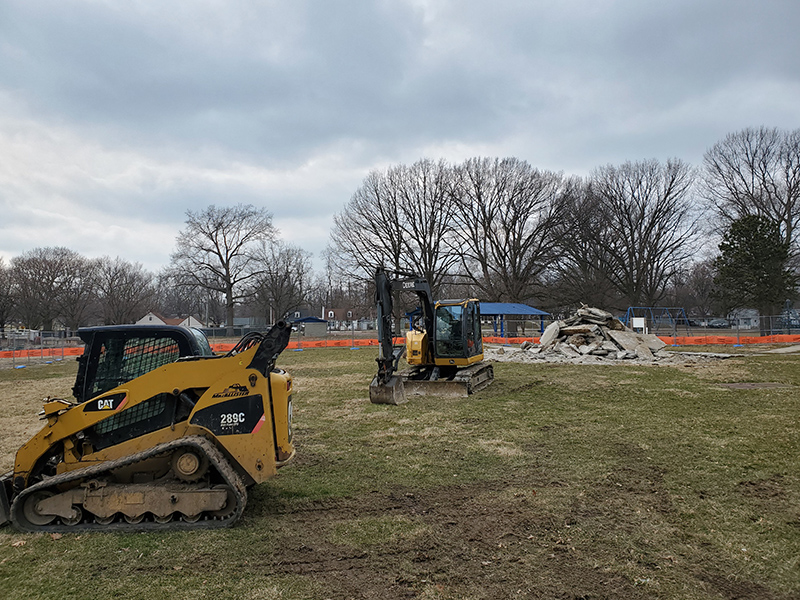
(400, 219)
(700, 285)
(218, 251)
(77, 297)
(506, 213)
(285, 284)
(52, 283)
(6, 297)
(756, 172)
(647, 226)
(125, 290)
(174, 299)
(580, 273)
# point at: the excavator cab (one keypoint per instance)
(455, 339)
(458, 333)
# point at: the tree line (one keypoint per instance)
(643, 233)
(226, 256)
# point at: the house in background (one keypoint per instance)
(348, 318)
(152, 318)
(746, 318)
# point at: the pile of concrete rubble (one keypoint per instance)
(592, 335)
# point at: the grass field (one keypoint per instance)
(558, 481)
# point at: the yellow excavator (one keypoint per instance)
(163, 434)
(443, 347)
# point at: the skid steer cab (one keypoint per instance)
(163, 434)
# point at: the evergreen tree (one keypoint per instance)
(751, 270)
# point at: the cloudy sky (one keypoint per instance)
(118, 117)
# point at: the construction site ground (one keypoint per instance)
(574, 481)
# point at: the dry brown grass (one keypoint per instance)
(22, 399)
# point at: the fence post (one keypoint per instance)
(353, 336)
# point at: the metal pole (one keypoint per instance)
(738, 343)
(353, 336)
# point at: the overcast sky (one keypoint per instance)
(118, 117)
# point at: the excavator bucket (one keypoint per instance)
(391, 392)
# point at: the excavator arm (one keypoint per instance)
(386, 387)
(389, 355)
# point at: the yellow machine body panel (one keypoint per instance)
(417, 347)
(457, 362)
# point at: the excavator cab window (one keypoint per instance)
(473, 326)
(450, 342)
(458, 330)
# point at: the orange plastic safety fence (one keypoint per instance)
(697, 340)
(47, 352)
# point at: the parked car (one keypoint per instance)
(718, 323)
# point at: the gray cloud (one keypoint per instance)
(125, 115)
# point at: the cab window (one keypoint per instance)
(449, 332)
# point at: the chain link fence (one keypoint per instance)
(22, 348)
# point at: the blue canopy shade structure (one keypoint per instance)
(500, 310)
(491, 309)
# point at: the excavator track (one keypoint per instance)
(420, 381)
(221, 504)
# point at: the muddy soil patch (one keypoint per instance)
(503, 538)
(477, 541)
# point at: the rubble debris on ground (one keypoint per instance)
(592, 335)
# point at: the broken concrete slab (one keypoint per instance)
(594, 315)
(568, 351)
(629, 340)
(550, 334)
(584, 329)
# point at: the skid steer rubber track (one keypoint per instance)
(84, 521)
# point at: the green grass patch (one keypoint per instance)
(555, 481)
